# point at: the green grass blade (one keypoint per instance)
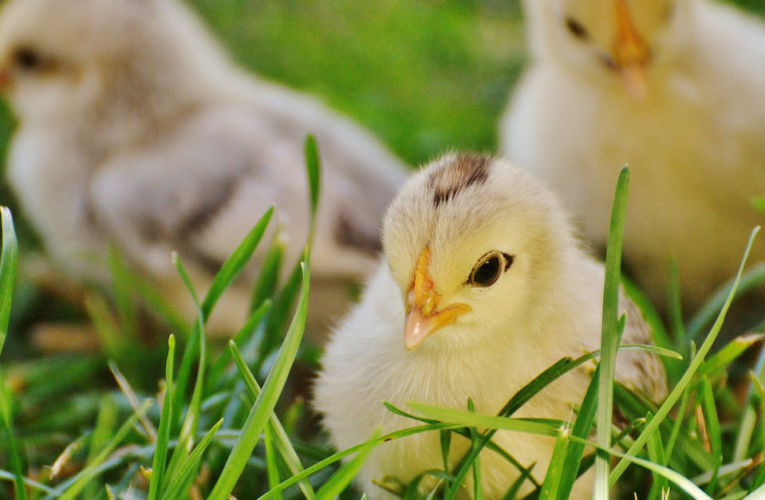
(108, 414)
(582, 428)
(475, 439)
(610, 333)
(343, 477)
(264, 405)
(712, 420)
(280, 436)
(656, 455)
(272, 466)
(8, 265)
(678, 390)
(90, 472)
(183, 478)
(551, 485)
(235, 263)
(165, 421)
(468, 419)
(721, 360)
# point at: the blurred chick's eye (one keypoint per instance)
(27, 59)
(576, 29)
(488, 270)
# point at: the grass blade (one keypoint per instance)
(235, 263)
(552, 482)
(610, 333)
(264, 405)
(582, 428)
(8, 264)
(165, 421)
(280, 436)
(182, 480)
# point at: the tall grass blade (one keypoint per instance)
(610, 334)
(165, 421)
(551, 486)
(264, 405)
(582, 428)
(280, 436)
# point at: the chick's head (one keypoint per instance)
(611, 40)
(59, 56)
(476, 246)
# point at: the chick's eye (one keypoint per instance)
(488, 270)
(576, 29)
(27, 59)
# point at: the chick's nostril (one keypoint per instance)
(608, 61)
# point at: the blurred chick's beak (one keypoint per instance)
(422, 315)
(631, 53)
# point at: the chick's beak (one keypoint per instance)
(423, 318)
(630, 52)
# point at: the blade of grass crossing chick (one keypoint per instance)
(611, 333)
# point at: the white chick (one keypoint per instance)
(136, 128)
(482, 288)
(675, 89)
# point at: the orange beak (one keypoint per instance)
(631, 53)
(423, 318)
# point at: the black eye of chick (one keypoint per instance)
(576, 29)
(489, 269)
(27, 59)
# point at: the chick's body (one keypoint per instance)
(135, 129)
(694, 140)
(546, 305)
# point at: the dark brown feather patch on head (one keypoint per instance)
(465, 170)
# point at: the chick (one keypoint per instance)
(136, 129)
(672, 87)
(483, 287)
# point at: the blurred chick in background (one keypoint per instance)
(483, 287)
(675, 88)
(136, 128)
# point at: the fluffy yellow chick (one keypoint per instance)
(136, 128)
(675, 89)
(483, 286)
